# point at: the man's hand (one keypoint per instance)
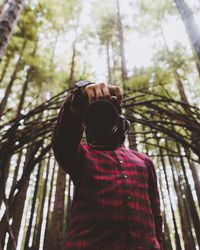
(98, 91)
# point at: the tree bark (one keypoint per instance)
(57, 223)
(124, 73)
(25, 85)
(5, 68)
(179, 83)
(189, 242)
(108, 62)
(19, 197)
(11, 82)
(8, 20)
(47, 236)
(39, 220)
(191, 26)
(177, 237)
(167, 242)
(74, 52)
(190, 199)
(33, 206)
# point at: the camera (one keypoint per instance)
(105, 126)
(104, 123)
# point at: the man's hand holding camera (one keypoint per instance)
(98, 91)
(92, 92)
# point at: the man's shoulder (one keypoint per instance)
(140, 155)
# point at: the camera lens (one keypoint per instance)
(101, 116)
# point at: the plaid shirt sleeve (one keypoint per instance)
(67, 136)
(155, 200)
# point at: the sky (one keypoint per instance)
(138, 49)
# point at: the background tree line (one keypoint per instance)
(44, 48)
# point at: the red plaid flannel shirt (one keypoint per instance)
(116, 203)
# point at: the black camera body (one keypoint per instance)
(105, 126)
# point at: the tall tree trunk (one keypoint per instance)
(180, 87)
(124, 73)
(72, 69)
(74, 52)
(8, 20)
(47, 236)
(15, 198)
(114, 62)
(177, 237)
(40, 213)
(191, 26)
(190, 199)
(167, 242)
(5, 68)
(33, 205)
(195, 176)
(177, 77)
(57, 223)
(187, 215)
(69, 201)
(3, 6)
(5, 153)
(11, 82)
(25, 85)
(108, 62)
(189, 242)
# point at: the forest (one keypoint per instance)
(149, 48)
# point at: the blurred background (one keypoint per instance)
(152, 50)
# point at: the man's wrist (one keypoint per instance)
(82, 84)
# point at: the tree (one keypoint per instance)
(191, 26)
(8, 20)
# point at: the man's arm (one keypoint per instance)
(67, 136)
(155, 201)
(69, 128)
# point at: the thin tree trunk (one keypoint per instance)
(15, 198)
(191, 26)
(47, 236)
(33, 206)
(3, 6)
(5, 153)
(5, 69)
(72, 69)
(114, 63)
(121, 42)
(57, 222)
(71, 75)
(179, 83)
(195, 179)
(190, 199)
(108, 62)
(188, 217)
(185, 224)
(180, 87)
(167, 242)
(9, 18)
(25, 86)
(177, 237)
(11, 82)
(38, 226)
(69, 201)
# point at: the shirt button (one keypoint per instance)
(124, 176)
(121, 161)
(128, 198)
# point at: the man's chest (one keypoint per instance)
(116, 175)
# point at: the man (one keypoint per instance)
(116, 203)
